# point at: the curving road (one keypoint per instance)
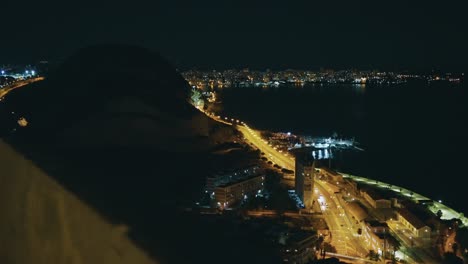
(343, 232)
(447, 212)
(5, 90)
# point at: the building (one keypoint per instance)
(232, 192)
(349, 187)
(224, 177)
(377, 227)
(299, 248)
(357, 212)
(331, 175)
(304, 178)
(380, 242)
(377, 237)
(377, 199)
(413, 223)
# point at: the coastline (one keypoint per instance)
(448, 212)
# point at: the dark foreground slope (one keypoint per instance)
(112, 150)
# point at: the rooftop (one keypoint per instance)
(419, 210)
(384, 235)
(411, 218)
(239, 181)
(225, 172)
(357, 211)
(375, 223)
(330, 171)
(377, 194)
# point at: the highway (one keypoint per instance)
(5, 90)
(344, 235)
(284, 160)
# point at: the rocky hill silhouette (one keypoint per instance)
(104, 89)
(111, 152)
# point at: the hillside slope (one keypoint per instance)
(42, 222)
(111, 153)
(104, 89)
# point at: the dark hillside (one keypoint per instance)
(113, 128)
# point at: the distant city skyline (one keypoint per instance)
(6, 67)
(246, 77)
(25, 62)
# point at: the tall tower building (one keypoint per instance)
(304, 179)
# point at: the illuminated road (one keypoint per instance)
(344, 235)
(344, 231)
(288, 162)
(413, 254)
(5, 90)
(447, 212)
(284, 160)
(350, 258)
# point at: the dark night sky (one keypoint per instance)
(257, 34)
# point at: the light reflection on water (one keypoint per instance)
(383, 118)
(322, 154)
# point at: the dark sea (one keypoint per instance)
(414, 134)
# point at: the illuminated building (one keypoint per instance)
(376, 198)
(331, 175)
(232, 192)
(304, 179)
(413, 223)
(378, 238)
(225, 177)
(299, 248)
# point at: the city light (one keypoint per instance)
(275, 148)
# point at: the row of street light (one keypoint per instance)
(233, 121)
(26, 73)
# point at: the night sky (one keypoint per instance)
(395, 35)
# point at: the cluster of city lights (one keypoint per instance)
(25, 74)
